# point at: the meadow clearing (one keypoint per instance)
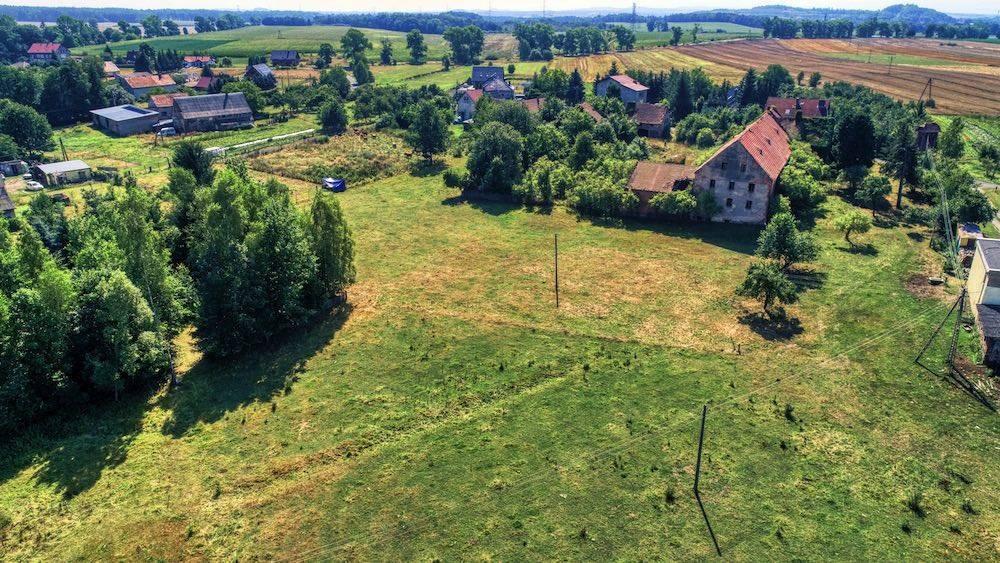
(452, 411)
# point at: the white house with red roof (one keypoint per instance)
(140, 84)
(44, 53)
(467, 103)
(629, 89)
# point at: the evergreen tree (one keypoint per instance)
(575, 89)
(192, 156)
(901, 158)
(682, 104)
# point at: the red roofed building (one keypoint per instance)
(467, 103)
(743, 172)
(205, 83)
(652, 178)
(42, 53)
(534, 105)
(164, 103)
(630, 91)
(589, 110)
(789, 111)
(140, 84)
(198, 60)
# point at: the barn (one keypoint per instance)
(59, 173)
(214, 112)
(125, 120)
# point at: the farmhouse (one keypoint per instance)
(59, 173)
(6, 205)
(652, 178)
(652, 120)
(927, 136)
(629, 90)
(261, 75)
(44, 53)
(110, 69)
(214, 112)
(742, 173)
(467, 104)
(285, 58)
(983, 288)
(164, 103)
(140, 84)
(791, 111)
(498, 89)
(483, 74)
(198, 61)
(125, 120)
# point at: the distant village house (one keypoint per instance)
(467, 104)
(110, 69)
(163, 104)
(650, 179)
(140, 84)
(927, 136)
(498, 89)
(629, 90)
(261, 75)
(652, 120)
(59, 173)
(198, 61)
(791, 111)
(285, 58)
(45, 53)
(483, 74)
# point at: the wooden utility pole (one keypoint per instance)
(557, 269)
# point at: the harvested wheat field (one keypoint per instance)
(956, 53)
(646, 59)
(964, 91)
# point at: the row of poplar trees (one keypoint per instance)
(90, 305)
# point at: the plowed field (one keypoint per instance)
(966, 90)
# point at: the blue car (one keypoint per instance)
(335, 184)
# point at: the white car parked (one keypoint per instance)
(33, 186)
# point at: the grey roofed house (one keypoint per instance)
(285, 58)
(213, 112)
(125, 120)
(483, 74)
(64, 172)
(499, 89)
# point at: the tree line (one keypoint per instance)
(90, 305)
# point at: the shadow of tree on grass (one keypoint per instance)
(213, 388)
(778, 326)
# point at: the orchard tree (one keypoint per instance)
(385, 55)
(989, 158)
(782, 241)
(766, 283)
(852, 222)
(333, 116)
(873, 192)
(354, 44)
(951, 143)
(495, 158)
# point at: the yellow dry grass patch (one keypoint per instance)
(655, 60)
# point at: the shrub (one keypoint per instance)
(678, 204)
(456, 178)
(705, 138)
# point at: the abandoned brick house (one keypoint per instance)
(629, 90)
(741, 174)
(652, 120)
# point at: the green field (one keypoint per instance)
(414, 76)
(709, 31)
(979, 131)
(453, 412)
(885, 59)
(241, 43)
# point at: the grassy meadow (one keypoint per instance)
(453, 412)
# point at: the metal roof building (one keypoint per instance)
(66, 172)
(214, 112)
(125, 120)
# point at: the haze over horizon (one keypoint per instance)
(946, 6)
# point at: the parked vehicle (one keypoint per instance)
(335, 184)
(167, 132)
(33, 186)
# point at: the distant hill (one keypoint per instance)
(905, 13)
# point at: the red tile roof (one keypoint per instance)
(765, 141)
(626, 81)
(589, 109)
(164, 100)
(474, 94)
(788, 107)
(657, 177)
(205, 82)
(198, 58)
(110, 67)
(147, 80)
(534, 105)
(43, 48)
(650, 113)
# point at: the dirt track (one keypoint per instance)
(964, 91)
